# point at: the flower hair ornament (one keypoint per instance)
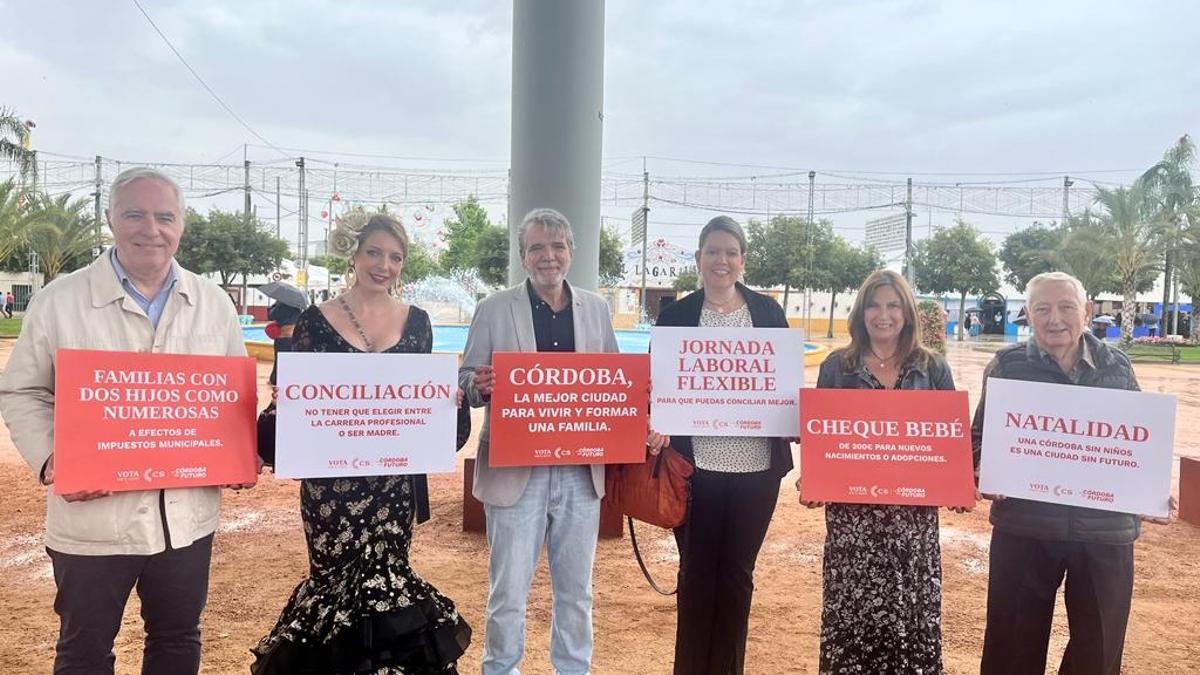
(343, 240)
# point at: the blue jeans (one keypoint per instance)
(559, 507)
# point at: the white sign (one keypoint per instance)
(365, 414)
(889, 233)
(726, 381)
(1107, 449)
(638, 231)
(664, 262)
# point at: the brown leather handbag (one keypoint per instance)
(657, 491)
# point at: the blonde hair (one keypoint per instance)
(908, 346)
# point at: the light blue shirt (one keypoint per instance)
(153, 307)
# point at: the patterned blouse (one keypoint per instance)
(730, 454)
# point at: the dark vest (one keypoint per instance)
(1056, 522)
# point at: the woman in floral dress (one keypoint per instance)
(882, 577)
(362, 608)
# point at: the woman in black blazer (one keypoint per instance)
(736, 483)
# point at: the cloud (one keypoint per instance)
(905, 85)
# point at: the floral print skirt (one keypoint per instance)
(882, 590)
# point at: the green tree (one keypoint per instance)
(227, 244)
(788, 251)
(1133, 243)
(1083, 254)
(1170, 195)
(199, 250)
(335, 264)
(686, 281)
(848, 266)
(14, 143)
(463, 231)
(1079, 248)
(766, 263)
(956, 260)
(491, 255)
(1189, 273)
(418, 264)
(612, 257)
(60, 232)
(1028, 252)
(14, 219)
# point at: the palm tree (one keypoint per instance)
(14, 218)
(59, 232)
(1189, 267)
(1170, 195)
(1133, 244)
(14, 143)
(1083, 253)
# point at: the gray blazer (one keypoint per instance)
(503, 322)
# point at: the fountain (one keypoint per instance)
(447, 300)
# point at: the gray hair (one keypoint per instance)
(139, 173)
(553, 221)
(1056, 277)
(724, 224)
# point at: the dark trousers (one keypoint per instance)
(718, 547)
(91, 597)
(1023, 582)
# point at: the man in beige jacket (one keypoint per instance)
(134, 297)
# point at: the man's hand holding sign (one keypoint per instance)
(1105, 449)
(567, 408)
(134, 421)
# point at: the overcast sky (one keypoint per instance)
(854, 85)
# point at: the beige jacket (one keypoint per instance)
(88, 309)
(503, 322)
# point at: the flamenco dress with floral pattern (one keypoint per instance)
(362, 608)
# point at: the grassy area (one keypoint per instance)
(10, 327)
(1151, 353)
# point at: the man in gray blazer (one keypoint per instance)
(526, 506)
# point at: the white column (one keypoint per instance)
(557, 124)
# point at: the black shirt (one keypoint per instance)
(553, 331)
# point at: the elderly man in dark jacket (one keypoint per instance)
(1034, 544)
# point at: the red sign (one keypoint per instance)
(866, 446)
(568, 408)
(142, 421)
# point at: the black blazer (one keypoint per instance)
(764, 313)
